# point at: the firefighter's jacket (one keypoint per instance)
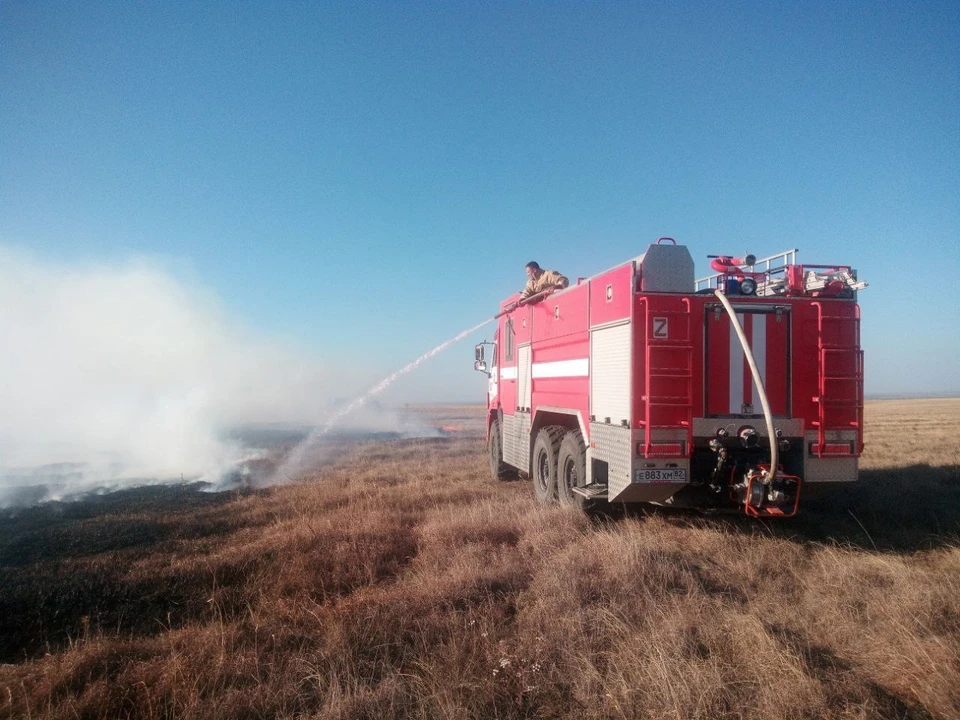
(544, 281)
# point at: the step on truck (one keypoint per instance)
(644, 385)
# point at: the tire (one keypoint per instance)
(572, 470)
(498, 468)
(544, 465)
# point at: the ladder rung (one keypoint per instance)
(593, 490)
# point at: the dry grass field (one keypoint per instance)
(399, 581)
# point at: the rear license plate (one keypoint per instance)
(653, 475)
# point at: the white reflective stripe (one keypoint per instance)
(508, 373)
(759, 346)
(562, 368)
(736, 369)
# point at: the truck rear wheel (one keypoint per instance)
(498, 468)
(572, 470)
(545, 463)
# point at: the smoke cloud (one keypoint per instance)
(112, 376)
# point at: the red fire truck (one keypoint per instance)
(642, 384)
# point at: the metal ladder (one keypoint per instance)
(660, 371)
(830, 402)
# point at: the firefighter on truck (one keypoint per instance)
(540, 280)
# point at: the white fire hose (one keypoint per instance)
(767, 415)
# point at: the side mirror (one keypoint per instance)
(480, 364)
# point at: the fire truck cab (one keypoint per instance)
(642, 384)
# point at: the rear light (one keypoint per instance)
(660, 449)
(832, 449)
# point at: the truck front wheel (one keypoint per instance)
(498, 468)
(545, 463)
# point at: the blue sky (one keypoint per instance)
(361, 181)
